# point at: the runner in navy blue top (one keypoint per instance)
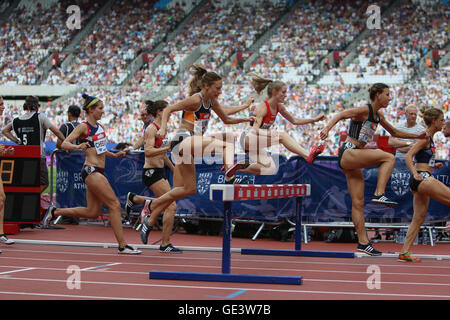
(92, 138)
(353, 157)
(190, 140)
(423, 185)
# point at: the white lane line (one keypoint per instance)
(68, 296)
(165, 265)
(351, 293)
(13, 271)
(256, 261)
(101, 266)
(305, 280)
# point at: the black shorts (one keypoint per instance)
(345, 146)
(414, 184)
(87, 170)
(152, 175)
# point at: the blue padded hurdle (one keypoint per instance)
(228, 194)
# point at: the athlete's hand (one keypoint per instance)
(418, 177)
(438, 165)
(250, 102)
(324, 133)
(120, 154)
(83, 146)
(321, 116)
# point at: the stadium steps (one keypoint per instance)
(4, 16)
(137, 63)
(71, 46)
(266, 36)
(225, 67)
(423, 62)
(352, 46)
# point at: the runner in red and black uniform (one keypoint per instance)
(260, 136)
(153, 175)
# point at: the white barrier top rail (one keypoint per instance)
(240, 192)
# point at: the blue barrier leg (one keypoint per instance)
(226, 238)
(298, 224)
(226, 275)
(298, 243)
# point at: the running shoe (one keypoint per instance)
(315, 151)
(129, 203)
(128, 250)
(239, 180)
(235, 167)
(169, 249)
(408, 257)
(146, 211)
(145, 230)
(368, 249)
(4, 239)
(49, 216)
(382, 199)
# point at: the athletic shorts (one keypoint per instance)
(414, 184)
(87, 170)
(152, 175)
(345, 146)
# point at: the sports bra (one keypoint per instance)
(427, 155)
(269, 118)
(363, 131)
(158, 142)
(96, 137)
(200, 117)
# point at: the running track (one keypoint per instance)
(36, 271)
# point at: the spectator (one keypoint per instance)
(411, 126)
(30, 129)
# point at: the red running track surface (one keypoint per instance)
(36, 271)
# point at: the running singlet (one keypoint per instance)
(269, 118)
(200, 117)
(363, 131)
(96, 137)
(158, 142)
(427, 155)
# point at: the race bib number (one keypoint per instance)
(99, 142)
(367, 131)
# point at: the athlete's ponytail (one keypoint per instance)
(199, 78)
(260, 83)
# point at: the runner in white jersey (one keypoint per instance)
(411, 126)
(92, 138)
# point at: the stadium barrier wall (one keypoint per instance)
(329, 202)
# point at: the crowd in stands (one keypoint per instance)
(33, 33)
(313, 30)
(119, 36)
(224, 26)
(406, 34)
